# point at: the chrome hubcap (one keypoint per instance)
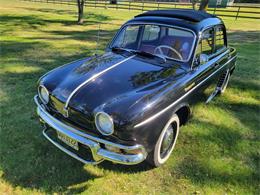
(167, 142)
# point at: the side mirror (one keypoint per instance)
(203, 58)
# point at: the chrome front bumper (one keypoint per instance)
(93, 143)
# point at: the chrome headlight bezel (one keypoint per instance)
(44, 97)
(99, 126)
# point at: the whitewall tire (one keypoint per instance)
(165, 143)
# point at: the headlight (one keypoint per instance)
(104, 123)
(44, 94)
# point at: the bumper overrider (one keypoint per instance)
(131, 154)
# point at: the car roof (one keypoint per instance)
(187, 14)
(186, 18)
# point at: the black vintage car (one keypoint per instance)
(127, 105)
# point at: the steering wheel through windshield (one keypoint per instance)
(158, 50)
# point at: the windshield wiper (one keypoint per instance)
(143, 53)
(139, 52)
(122, 49)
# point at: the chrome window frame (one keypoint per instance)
(213, 54)
(164, 25)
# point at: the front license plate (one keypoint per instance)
(67, 140)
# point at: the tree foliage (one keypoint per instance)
(203, 4)
(194, 2)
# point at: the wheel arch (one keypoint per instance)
(183, 111)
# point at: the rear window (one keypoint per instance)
(177, 32)
(206, 44)
(220, 42)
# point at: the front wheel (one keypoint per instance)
(165, 143)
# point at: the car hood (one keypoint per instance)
(124, 79)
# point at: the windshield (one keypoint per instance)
(168, 42)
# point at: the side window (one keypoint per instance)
(219, 40)
(151, 32)
(179, 33)
(206, 45)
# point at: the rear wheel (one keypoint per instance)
(165, 143)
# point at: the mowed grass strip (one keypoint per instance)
(217, 151)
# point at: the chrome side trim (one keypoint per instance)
(91, 78)
(212, 95)
(182, 97)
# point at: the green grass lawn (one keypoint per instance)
(217, 151)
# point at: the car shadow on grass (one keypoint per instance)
(226, 153)
(120, 168)
(226, 163)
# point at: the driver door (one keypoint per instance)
(206, 64)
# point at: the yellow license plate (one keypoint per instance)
(69, 141)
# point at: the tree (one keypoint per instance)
(204, 5)
(194, 2)
(80, 11)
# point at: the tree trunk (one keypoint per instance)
(204, 5)
(80, 11)
(194, 2)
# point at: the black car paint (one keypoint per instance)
(136, 89)
(119, 92)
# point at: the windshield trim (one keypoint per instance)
(159, 24)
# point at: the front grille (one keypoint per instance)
(75, 117)
(56, 105)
